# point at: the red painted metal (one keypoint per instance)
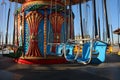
(41, 61)
(56, 20)
(33, 18)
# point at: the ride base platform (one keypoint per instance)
(41, 60)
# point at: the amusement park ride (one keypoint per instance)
(44, 29)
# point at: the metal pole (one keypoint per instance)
(14, 31)
(106, 16)
(99, 28)
(112, 34)
(6, 41)
(80, 7)
(70, 25)
(99, 32)
(95, 21)
(65, 22)
(118, 24)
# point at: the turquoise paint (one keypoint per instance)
(100, 50)
(98, 54)
(26, 37)
(85, 53)
(41, 37)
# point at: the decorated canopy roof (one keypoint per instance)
(37, 4)
(61, 1)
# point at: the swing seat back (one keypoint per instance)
(59, 50)
(85, 53)
(69, 56)
(98, 56)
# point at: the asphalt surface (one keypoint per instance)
(110, 70)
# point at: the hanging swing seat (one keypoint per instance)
(80, 58)
(59, 50)
(68, 54)
(85, 53)
(100, 48)
(98, 53)
(69, 51)
(95, 54)
(52, 49)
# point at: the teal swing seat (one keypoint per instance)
(68, 53)
(59, 50)
(85, 54)
(98, 56)
(70, 56)
(91, 52)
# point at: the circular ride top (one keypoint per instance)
(60, 1)
(26, 4)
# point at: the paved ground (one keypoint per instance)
(110, 70)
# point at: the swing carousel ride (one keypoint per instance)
(44, 34)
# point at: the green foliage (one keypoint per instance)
(15, 55)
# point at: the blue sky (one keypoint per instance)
(3, 17)
(113, 16)
(112, 7)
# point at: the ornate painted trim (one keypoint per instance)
(56, 20)
(42, 2)
(33, 18)
(45, 32)
(23, 26)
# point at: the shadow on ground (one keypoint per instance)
(10, 70)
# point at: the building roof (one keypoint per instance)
(117, 31)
